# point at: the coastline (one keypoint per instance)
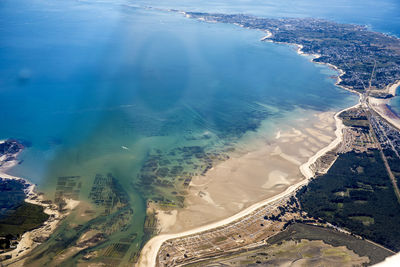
(269, 35)
(304, 168)
(198, 212)
(31, 239)
(279, 135)
(381, 106)
(392, 89)
(263, 165)
(149, 252)
(300, 51)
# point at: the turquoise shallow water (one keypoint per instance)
(104, 87)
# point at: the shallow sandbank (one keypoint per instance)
(264, 167)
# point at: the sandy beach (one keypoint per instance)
(266, 37)
(389, 91)
(282, 165)
(393, 88)
(276, 169)
(380, 106)
(268, 168)
(204, 187)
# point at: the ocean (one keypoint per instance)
(111, 89)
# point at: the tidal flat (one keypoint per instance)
(262, 166)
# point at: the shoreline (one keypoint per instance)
(149, 253)
(271, 156)
(206, 196)
(27, 241)
(148, 256)
(269, 35)
(382, 107)
(315, 56)
(392, 89)
(379, 105)
(151, 248)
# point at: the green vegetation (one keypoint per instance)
(299, 231)
(25, 218)
(366, 220)
(368, 204)
(12, 195)
(394, 163)
(355, 118)
(299, 241)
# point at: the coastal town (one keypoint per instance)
(354, 49)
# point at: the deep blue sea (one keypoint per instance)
(98, 86)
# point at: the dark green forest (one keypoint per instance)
(356, 194)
